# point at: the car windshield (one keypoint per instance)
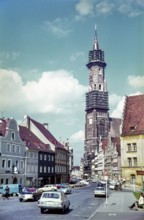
(51, 195)
(101, 188)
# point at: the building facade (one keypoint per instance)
(132, 140)
(12, 153)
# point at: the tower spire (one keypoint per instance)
(95, 45)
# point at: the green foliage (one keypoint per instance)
(137, 194)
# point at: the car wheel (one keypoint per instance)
(42, 210)
(95, 196)
(20, 200)
(63, 210)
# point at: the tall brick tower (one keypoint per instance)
(97, 104)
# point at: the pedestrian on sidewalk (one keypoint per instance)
(6, 192)
(138, 203)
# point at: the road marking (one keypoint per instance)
(110, 214)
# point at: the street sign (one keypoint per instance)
(140, 172)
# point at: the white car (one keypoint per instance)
(55, 200)
(65, 188)
(100, 191)
(112, 186)
(47, 187)
(26, 196)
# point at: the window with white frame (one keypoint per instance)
(40, 169)
(52, 169)
(9, 164)
(18, 149)
(13, 148)
(3, 163)
(8, 147)
(129, 162)
(13, 136)
(129, 147)
(135, 161)
(44, 169)
(41, 156)
(21, 164)
(48, 169)
(45, 157)
(134, 147)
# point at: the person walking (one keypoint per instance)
(139, 203)
(7, 192)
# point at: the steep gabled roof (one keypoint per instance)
(32, 141)
(133, 119)
(47, 134)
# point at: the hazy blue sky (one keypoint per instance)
(44, 47)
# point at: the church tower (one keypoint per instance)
(97, 103)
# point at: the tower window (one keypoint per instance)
(100, 86)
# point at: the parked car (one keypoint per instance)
(100, 191)
(47, 188)
(27, 194)
(65, 188)
(53, 200)
(112, 186)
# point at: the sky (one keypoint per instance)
(44, 46)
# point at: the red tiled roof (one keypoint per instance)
(133, 120)
(32, 141)
(47, 134)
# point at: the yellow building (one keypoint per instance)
(132, 140)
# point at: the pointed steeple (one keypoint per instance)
(95, 45)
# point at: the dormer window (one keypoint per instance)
(13, 136)
(132, 128)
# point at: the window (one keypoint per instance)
(8, 148)
(52, 169)
(52, 157)
(49, 157)
(18, 149)
(129, 162)
(40, 169)
(48, 169)
(3, 163)
(6, 181)
(41, 156)
(134, 147)
(13, 148)
(135, 161)
(45, 157)
(44, 169)
(13, 136)
(129, 147)
(9, 164)
(22, 164)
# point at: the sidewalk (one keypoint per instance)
(118, 201)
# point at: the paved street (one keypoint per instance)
(83, 206)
